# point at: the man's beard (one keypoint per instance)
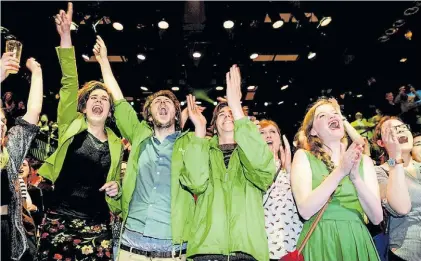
(161, 125)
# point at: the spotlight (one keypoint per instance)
(215, 103)
(325, 21)
(251, 87)
(403, 60)
(132, 103)
(175, 88)
(284, 87)
(279, 103)
(141, 57)
(408, 35)
(359, 95)
(163, 25)
(198, 102)
(266, 103)
(182, 103)
(85, 57)
(143, 88)
(228, 24)
(278, 24)
(254, 56)
(197, 55)
(219, 88)
(118, 26)
(311, 55)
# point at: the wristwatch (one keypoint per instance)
(393, 162)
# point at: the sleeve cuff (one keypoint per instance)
(31, 127)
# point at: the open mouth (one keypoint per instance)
(97, 110)
(403, 139)
(163, 111)
(334, 125)
(226, 122)
(269, 142)
(20, 171)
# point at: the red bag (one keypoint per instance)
(296, 255)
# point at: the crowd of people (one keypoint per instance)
(234, 191)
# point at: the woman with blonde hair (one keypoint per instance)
(324, 172)
(282, 222)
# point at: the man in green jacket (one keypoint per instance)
(232, 175)
(157, 207)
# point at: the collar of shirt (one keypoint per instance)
(170, 138)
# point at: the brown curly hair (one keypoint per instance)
(148, 103)
(313, 143)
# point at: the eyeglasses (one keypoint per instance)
(401, 128)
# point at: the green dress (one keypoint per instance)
(341, 234)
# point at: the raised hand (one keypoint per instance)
(285, 154)
(33, 65)
(63, 22)
(233, 78)
(100, 50)
(349, 157)
(8, 63)
(355, 170)
(392, 144)
(196, 116)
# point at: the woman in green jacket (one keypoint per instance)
(229, 221)
(85, 165)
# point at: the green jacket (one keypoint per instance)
(182, 201)
(71, 122)
(229, 214)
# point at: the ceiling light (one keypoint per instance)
(228, 24)
(279, 103)
(118, 26)
(143, 88)
(182, 103)
(198, 102)
(175, 88)
(132, 103)
(403, 60)
(254, 56)
(325, 21)
(215, 103)
(359, 95)
(197, 55)
(408, 35)
(251, 87)
(141, 57)
(278, 24)
(74, 26)
(182, 65)
(219, 88)
(266, 103)
(311, 55)
(85, 57)
(284, 87)
(163, 25)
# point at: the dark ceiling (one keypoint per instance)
(349, 52)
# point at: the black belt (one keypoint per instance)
(152, 254)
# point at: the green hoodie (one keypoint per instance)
(229, 215)
(71, 122)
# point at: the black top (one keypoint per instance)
(6, 195)
(227, 150)
(84, 172)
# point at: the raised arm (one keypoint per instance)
(127, 121)
(67, 107)
(35, 93)
(255, 155)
